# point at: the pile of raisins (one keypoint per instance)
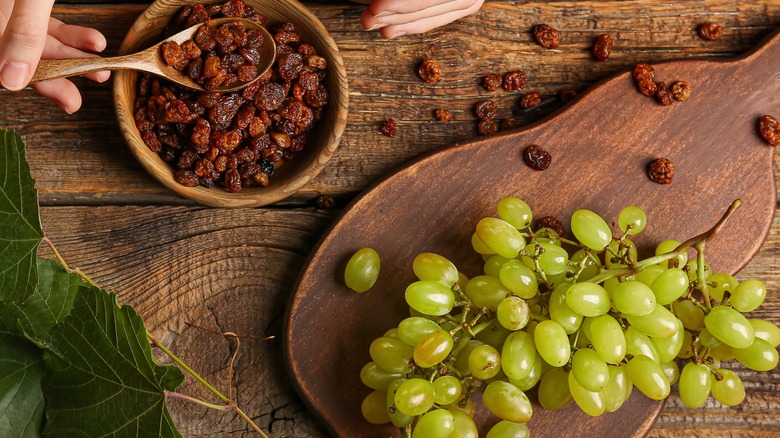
(644, 75)
(232, 140)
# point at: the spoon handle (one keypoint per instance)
(59, 68)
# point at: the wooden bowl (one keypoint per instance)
(323, 139)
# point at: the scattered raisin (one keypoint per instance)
(324, 202)
(536, 157)
(643, 72)
(661, 171)
(603, 47)
(530, 100)
(646, 87)
(552, 223)
(442, 115)
(509, 124)
(663, 95)
(515, 80)
(710, 31)
(681, 90)
(389, 128)
(492, 82)
(770, 129)
(429, 71)
(486, 109)
(487, 127)
(546, 36)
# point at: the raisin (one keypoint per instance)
(306, 50)
(186, 160)
(168, 154)
(232, 181)
(389, 128)
(661, 171)
(251, 56)
(530, 100)
(246, 155)
(603, 47)
(487, 127)
(289, 66)
(492, 82)
(281, 139)
(546, 36)
(185, 177)
(151, 141)
(552, 223)
(308, 80)
(486, 109)
(268, 167)
(233, 61)
(710, 31)
(246, 73)
(647, 87)
(220, 164)
(536, 157)
(269, 96)
(194, 69)
(316, 62)
(515, 80)
(430, 71)
(567, 94)
(199, 14)
(256, 127)
(211, 66)
(173, 55)
(509, 124)
(177, 111)
(317, 98)
(442, 115)
(244, 117)
(233, 8)
(204, 168)
(681, 90)
(324, 202)
(769, 128)
(204, 38)
(260, 179)
(290, 109)
(663, 95)
(225, 142)
(643, 72)
(285, 37)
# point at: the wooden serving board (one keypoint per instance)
(600, 146)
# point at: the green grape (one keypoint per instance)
(462, 280)
(518, 355)
(412, 330)
(691, 315)
(618, 388)
(398, 418)
(668, 246)
(695, 384)
(727, 388)
(484, 362)
(648, 275)
(446, 390)
(686, 351)
(362, 270)
(435, 424)
(479, 246)
(486, 291)
(730, 327)
(391, 354)
(670, 286)
(547, 235)
(500, 236)
(607, 338)
(513, 313)
(552, 343)
(633, 298)
(494, 334)
(711, 362)
(610, 284)
(748, 295)
(508, 429)
(590, 268)
(373, 376)
(707, 340)
(592, 403)
(639, 343)
(722, 352)
(433, 349)
(560, 311)
(669, 348)
(660, 323)
(507, 402)
(590, 229)
(693, 267)
(672, 371)
(433, 267)
(462, 358)
(464, 425)
(414, 397)
(579, 340)
(554, 389)
(766, 331)
(559, 279)
(465, 405)
(552, 258)
(614, 247)
(519, 279)
(493, 265)
(590, 370)
(374, 409)
(532, 378)
(720, 283)
(430, 298)
(648, 377)
(391, 333)
(515, 211)
(634, 216)
(588, 299)
(759, 355)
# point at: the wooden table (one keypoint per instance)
(183, 265)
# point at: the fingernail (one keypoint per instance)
(399, 34)
(377, 26)
(384, 14)
(13, 76)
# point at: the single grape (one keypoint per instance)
(412, 330)
(508, 429)
(669, 348)
(373, 376)
(464, 425)
(589, 267)
(668, 246)
(660, 323)
(672, 371)
(590, 229)
(719, 283)
(730, 327)
(727, 388)
(507, 402)
(362, 270)
(722, 352)
(391, 333)
(695, 384)
(670, 285)
(608, 338)
(486, 291)
(633, 216)
(588, 299)
(648, 275)
(398, 418)
(446, 390)
(430, 298)
(554, 389)
(433, 349)
(648, 377)
(462, 358)
(748, 295)
(500, 236)
(690, 314)
(414, 397)
(560, 311)
(618, 388)
(433, 267)
(760, 355)
(766, 331)
(519, 279)
(533, 376)
(513, 313)
(494, 334)
(518, 355)
(633, 298)
(484, 362)
(494, 263)
(479, 246)
(435, 424)
(391, 354)
(552, 258)
(592, 403)
(552, 343)
(686, 352)
(515, 211)
(374, 409)
(590, 370)
(707, 340)
(639, 343)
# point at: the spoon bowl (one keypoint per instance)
(151, 61)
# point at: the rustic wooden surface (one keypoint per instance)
(232, 270)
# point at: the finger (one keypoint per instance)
(62, 91)
(387, 7)
(450, 7)
(54, 49)
(83, 38)
(427, 24)
(23, 41)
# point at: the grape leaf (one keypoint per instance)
(101, 379)
(21, 396)
(21, 232)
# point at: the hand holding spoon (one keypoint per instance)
(151, 61)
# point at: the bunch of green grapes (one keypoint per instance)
(582, 320)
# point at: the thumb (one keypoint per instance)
(22, 42)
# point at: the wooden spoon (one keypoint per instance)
(600, 146)
(150, 60)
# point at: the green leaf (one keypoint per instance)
(21, 397)
(101, 379)
(21, 232)
(49, 304)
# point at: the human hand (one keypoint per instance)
(29, 34)
(394, 18)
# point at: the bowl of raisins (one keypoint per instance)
(247, 148)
